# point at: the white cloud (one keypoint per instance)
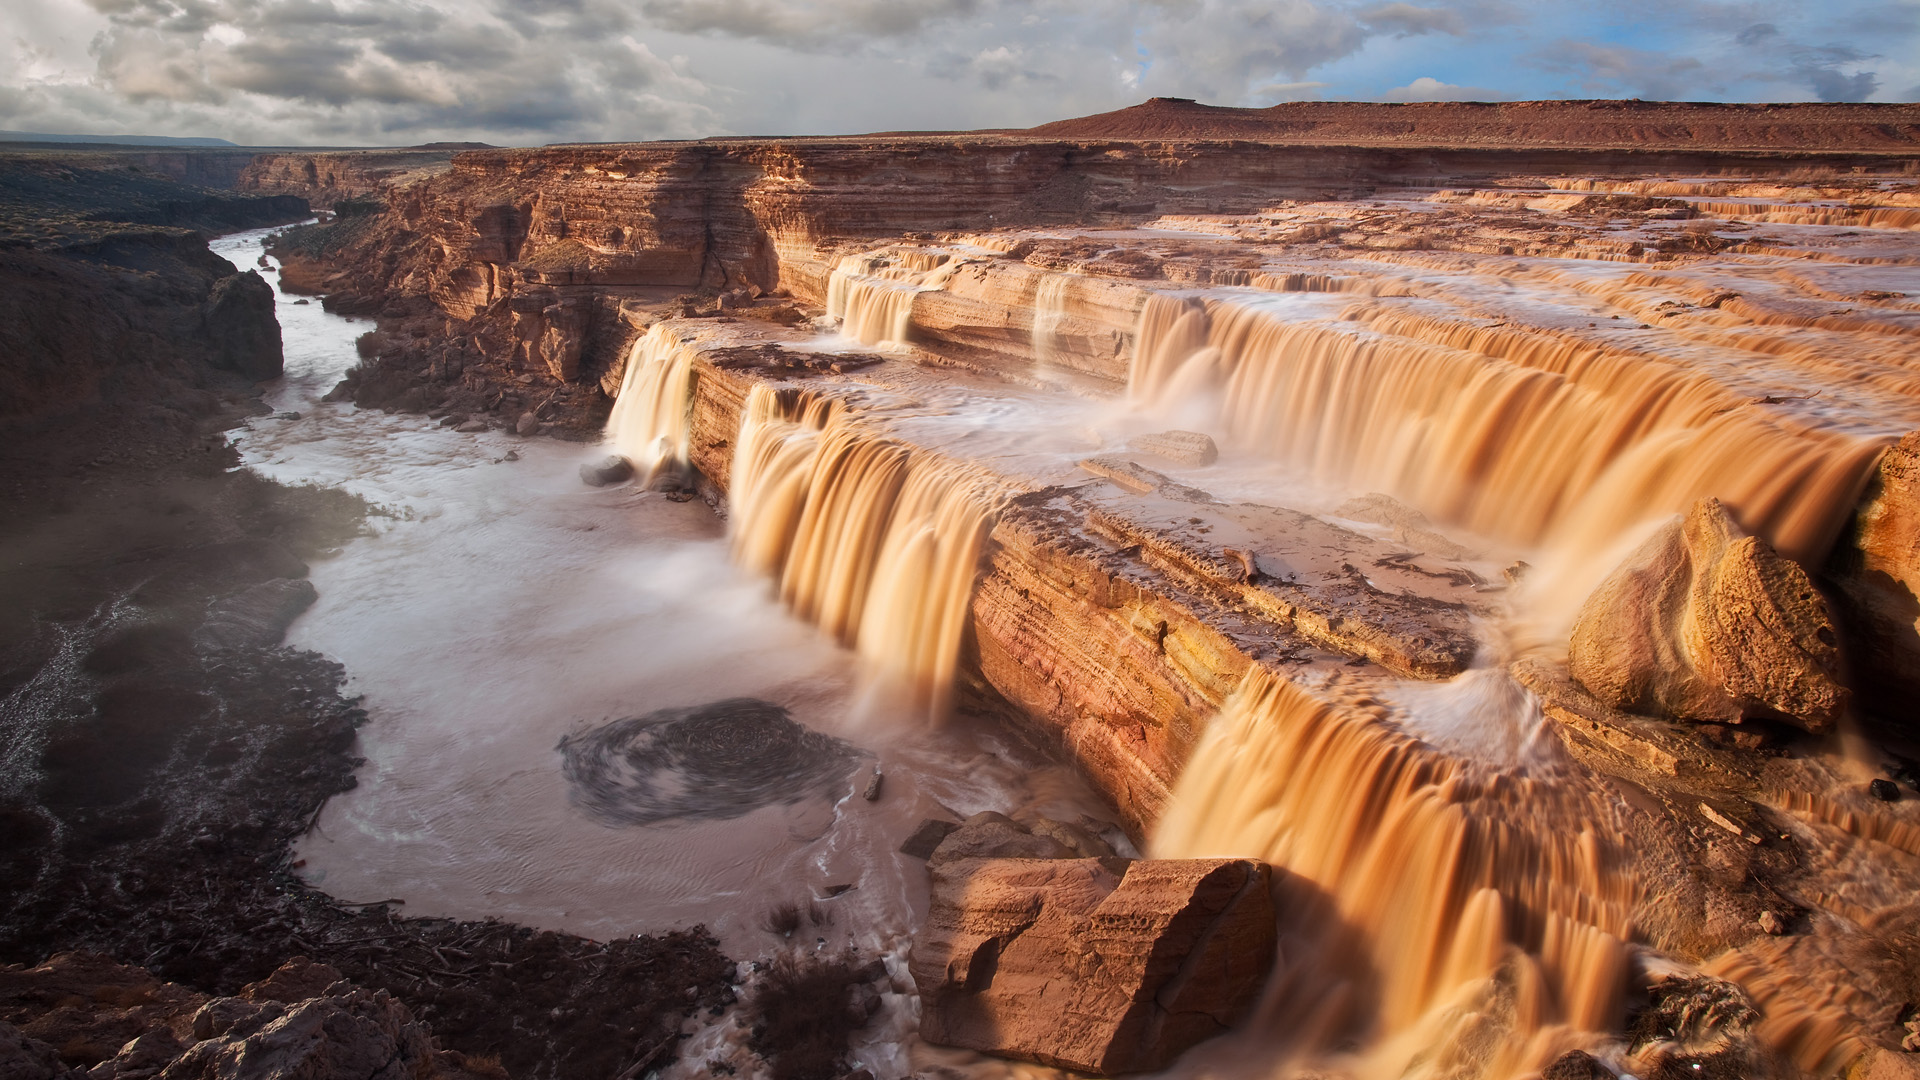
(1427, 88)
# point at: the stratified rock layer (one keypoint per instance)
(1095, 965)
(1876, 572)
(1703, 622)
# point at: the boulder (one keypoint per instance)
(1186, 447)
(526, 425)
(255, 617)
(1703, 622)
(1101, 966)
(988, 835)
(612, 469)
(1875, 572)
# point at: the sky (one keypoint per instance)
(530, 72)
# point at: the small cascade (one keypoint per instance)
(873, 541)
(872, 295)
(1552, 444)
(1449, 918)
(653, 416)
(1049, 311)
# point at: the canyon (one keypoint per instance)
(1492, 529)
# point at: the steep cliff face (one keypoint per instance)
(134, 316)
(107, 294)
(324, 178)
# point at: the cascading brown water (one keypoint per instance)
(875, 542)
(1450, 918)
(1559, 446)
(872, 295)
(652, 417)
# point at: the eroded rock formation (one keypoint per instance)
(1704, 622)
(1876, 575)
(1102, 966)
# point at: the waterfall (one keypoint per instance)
(653, 416)
(1451, 918)
(872, 540)
(872, 295)
(1549, 442)
(1049, 310)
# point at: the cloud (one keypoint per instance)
(1406, 20)
(1819, 67)
(804, 23)
(405, 70)
(1617, 70)
(1430, 89)
(533, 71)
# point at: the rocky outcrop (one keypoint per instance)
(140, 313)
(1703, 622)
(85, 1016)
(240, 327)
(1875, 573)
(1100, 966)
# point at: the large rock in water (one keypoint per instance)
(255, 617)
(241, 328)
(1876, 572)
(1101, 966)
(1703, 622)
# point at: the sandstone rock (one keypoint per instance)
(612, 469)
(472, 427)
(258, 616)
(996, 836)
(1410, 527)
(1096, 965)
(22, 1058)
(1186, 447)
(1875, 571)
(527, 424)
(1879, 1064)
(1704, 622)
(1126, 474)
(348, 1034)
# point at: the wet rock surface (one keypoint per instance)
(1704, 622)
(1101, 965)
(1875, 572)
(715, 761)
